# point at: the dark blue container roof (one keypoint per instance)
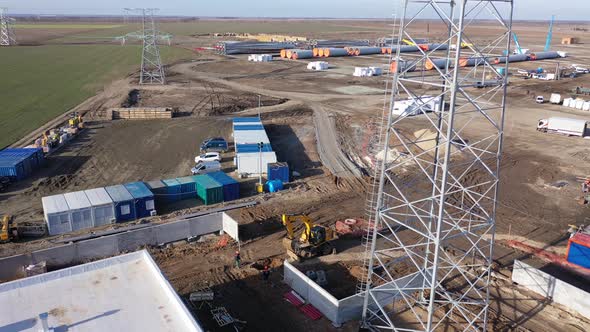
(138, 190)
(222, 178)
(247, 119)
(119, 193)
(248, 127)
(241, 148)
(13, 156)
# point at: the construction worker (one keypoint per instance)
(238, 259)
(266, 272)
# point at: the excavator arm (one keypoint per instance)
(289, 220)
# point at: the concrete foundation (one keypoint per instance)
(78, 252)
(346, 309)
(548, 286)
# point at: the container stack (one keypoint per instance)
(251, 159)
(208, 190)
(19, 163)
(231, 187)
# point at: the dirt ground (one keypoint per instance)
(319, 123)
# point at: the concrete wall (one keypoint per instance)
(346, 309)
(74, 253)
(549, 286)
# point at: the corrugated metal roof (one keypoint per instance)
(222, 178)
(138, 190)
(77, 200)
(54, 204)
(98, 196)
(156, 184)
(248, 127)
(186, 179)
(119, 193)
(247, 119)
(206, 182)
(122, 293)
(582, 239)
(171, 182)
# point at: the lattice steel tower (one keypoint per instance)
(430, 254)
(6, 31)
(152, 70)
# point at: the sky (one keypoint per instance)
(524, 9)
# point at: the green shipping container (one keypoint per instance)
(208, 190)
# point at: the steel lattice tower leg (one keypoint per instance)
(152, 71)
(6, 32)
(431, 251)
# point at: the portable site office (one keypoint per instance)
(103, 208)
(254, 163)
(160, 191)
(143, 199)
(80, 210)
(57, 214)
(123, 202)
(188, 187)
(246, 121)
(250, 137)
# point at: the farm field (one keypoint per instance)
(42, 82)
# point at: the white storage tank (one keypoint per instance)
(586, 106)
(579, 104)
(80, 210)
(57, 214)
(567, 101)
(573, 103)
(103, 208)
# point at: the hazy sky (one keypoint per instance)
(524, 9)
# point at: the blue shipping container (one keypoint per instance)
(579, 254)
(188, 187)
(174, 190)
(279, 171)
(247, 119)
(238, 126)
(19, 163)
(144, 199)
(124, 202)
(245, 148)
(231, 187)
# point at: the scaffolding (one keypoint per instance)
(430, 250)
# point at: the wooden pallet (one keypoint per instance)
(141, 113)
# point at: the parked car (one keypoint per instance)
(206, 167)
(540, 99)
(208, 156)
(214, 144)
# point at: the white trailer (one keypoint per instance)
(564, 126)
(254, 163)
(412, 107)
(555, 98)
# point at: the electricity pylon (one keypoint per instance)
(6, 32)
(431, 247)
(152, 70)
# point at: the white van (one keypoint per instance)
(206, 167)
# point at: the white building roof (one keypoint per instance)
(250, 136)
(98, 196)
(123, 293)
(54, 204)
(77, 200)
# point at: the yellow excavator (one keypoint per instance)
(315, 240)
(7, 232)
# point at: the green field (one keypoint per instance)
(41, 82)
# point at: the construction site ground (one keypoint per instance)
(319, 123)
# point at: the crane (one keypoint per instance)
(518, 48)
(549, 35)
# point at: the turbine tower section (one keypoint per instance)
(6, 31)
(430, 251)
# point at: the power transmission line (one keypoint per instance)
(152, 70)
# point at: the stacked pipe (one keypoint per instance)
(388, 41)
(295, 54)
(249, 47)
(338, 43)
(511, 58)
(408, 48)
